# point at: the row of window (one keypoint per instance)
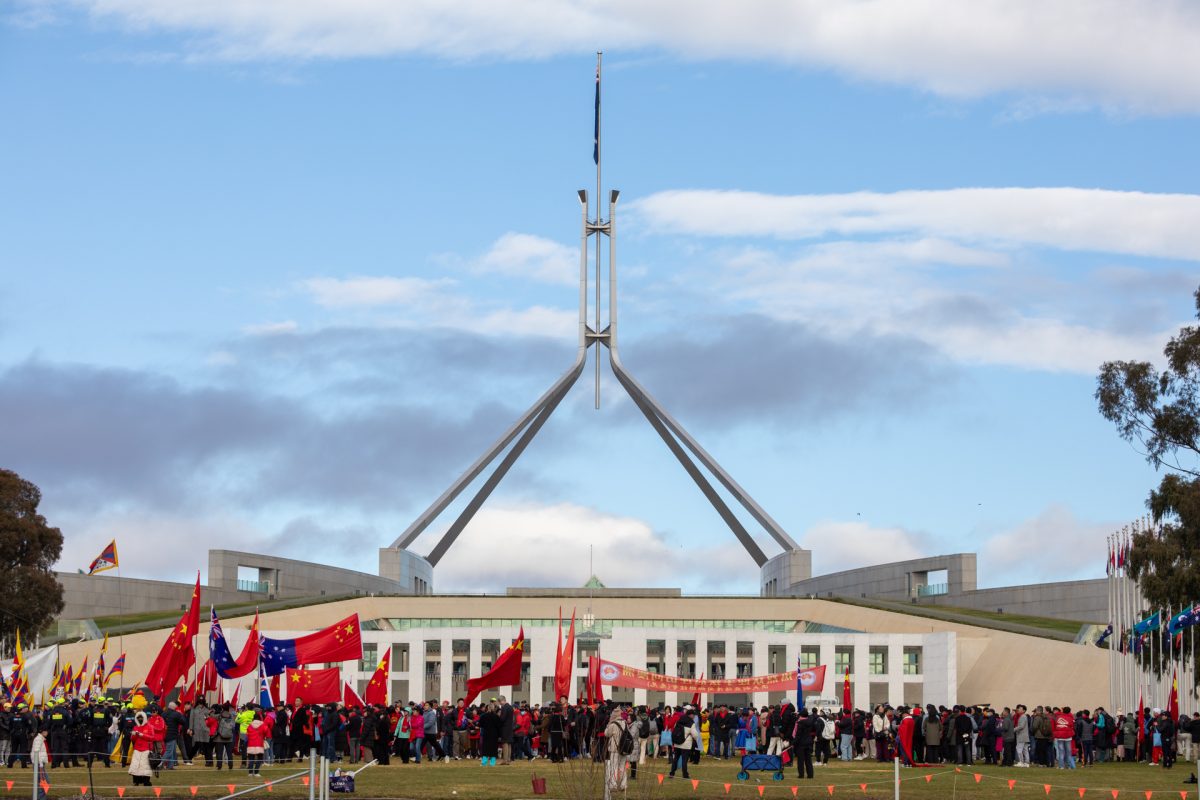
(810, 655)
(601, 626)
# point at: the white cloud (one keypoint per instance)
(418, 301)
(547, 545)
(271, 328)
(372, 291)
(1053, 545)
(840, 546)
(144, 538)
(523, 255)
(1096, 220)
(1116, 54)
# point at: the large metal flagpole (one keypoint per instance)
(677, 439)
(598, 226)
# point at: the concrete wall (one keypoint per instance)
(784, 570)
(87, 596)
(895, 581)
(291, 578)
(406, 569)
(1084, 601)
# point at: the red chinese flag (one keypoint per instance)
(564, 667)
(505, 672)
(177, 655)
(350, 698)
(847, 699)
(377, 690)
(247, 660)
(340, 642)
(1173, 700)
(314, 685)
(208, 677)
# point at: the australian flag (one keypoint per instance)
(264, 691)
(1185, 619)
(341, 641)
(218, 649)
(1104, 635)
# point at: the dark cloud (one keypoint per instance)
(754, 369)
(109, 436)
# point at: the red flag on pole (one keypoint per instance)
(177, 655)
(696, 696)
(596, 693)
(564, 665)
(350, 698)
(377, 690)
(505, 672)
(847, 698)
(1141, 723)
(314, 685)
(1173, 700)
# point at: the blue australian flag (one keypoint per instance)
(218, 648)
(264, 691)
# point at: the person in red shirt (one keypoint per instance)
(256, 738)
(1064, 733)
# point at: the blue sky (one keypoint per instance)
(275, 273)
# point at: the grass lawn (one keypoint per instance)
(468, 780)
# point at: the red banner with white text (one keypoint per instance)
(613, 674)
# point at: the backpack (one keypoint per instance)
(625, 743)
(225, 727)
(678, 733)
(830, 730)
(644, 729)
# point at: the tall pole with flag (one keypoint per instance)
(596, 158)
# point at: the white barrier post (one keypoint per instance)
(312, 773)
(896, 769)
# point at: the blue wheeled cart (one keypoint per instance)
(763, 763)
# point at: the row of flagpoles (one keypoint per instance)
(1140, 637)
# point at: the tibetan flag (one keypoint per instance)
(77, 684)
(350, 698)
(106, 560)
(341, 641)
(177, 655)
(18, 665)
(505, 672)
(118, 668)
(377, 690)
(222, 659)
(314, 685)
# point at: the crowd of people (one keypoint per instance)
(145, 738)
